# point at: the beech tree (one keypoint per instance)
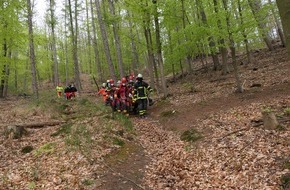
(105, 41)
(52, 23)
(74, 40)
(31, 50)
(284, 10)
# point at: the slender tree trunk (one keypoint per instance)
(212, 45)
(154, 63)
(245, 36)
(105, 41)
(150, 54)
(171, 52)
(278, 25)
(223, 48)
(7, 73)
(284, 7)
(159, 49)
(117, 40)
(66, 48)
(75, 50)
(180, 62)
(15, 70)
(135, 55)
(4, 70)
(261, 19)
(233, 49)
(95, 42)
(188, 58)
(147, 33)
(74, 33)
(52, 27)
(89, 38)
(31, 50)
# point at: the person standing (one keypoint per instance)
(141, 90)
(59, 90)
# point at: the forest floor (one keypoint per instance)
(224, 144)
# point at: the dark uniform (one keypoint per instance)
(141, 90)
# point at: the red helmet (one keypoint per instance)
(123, 80)
(111, 81)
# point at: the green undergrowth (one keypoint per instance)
(88, 125)
(191, 135)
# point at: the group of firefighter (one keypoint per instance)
(69, 91)
(128, 95)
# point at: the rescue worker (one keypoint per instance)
(59, 90)
(73, 90)
(67, 92)
(141, 90)
(111, 100)
(70, 92)
(122, 94)
(103, 92)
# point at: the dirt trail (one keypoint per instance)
(187, 115)
(159, 135)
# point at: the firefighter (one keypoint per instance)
(103, 92)
(141, 90)
(122, 94)
(59, 90)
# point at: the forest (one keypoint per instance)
(219, 70)
(111, 39)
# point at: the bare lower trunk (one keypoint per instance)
(256, 10)
(135, 55)
(233, 51)
(105, 41)
(159, 49)
(284, 7)
(117, 40)
(54, 53)
(31, 51)
(95, 45)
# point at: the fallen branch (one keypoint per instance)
(233, 132)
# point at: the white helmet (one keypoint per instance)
(139, 76)
(104, 84)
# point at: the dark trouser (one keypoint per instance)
(142, 106)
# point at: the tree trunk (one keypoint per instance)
(212, 45)
(74, 43)
(233, 49)
(4, 70)
(284, 10)
(105, 41)
(256, 9)
(75, 50)
(148, 38)
(97, 56)
(223, 48)
(278, 24)
(31, 51)
(52, 27)
(7, 72)
(244, 32)
(159, 49)
(117, 40)
(188, 58)
(66, 48)
(88, 37)
(171, 52)
(135, 55)
(150, 54)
